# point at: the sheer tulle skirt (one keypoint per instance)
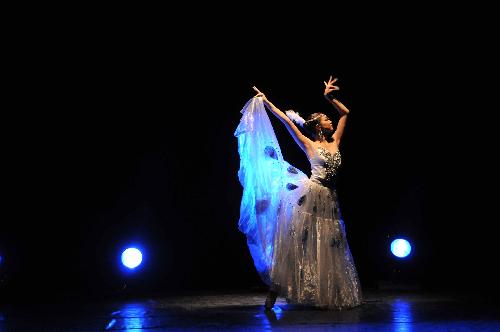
(312, 263)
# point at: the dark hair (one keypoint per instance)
(310, 125)
(311, 122)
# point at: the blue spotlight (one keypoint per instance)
(400, 248)
(131, 258)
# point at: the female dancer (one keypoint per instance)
(293, 224)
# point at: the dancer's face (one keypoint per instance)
(326, 123)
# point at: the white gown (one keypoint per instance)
(293, 224)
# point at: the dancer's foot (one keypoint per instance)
(270, 300)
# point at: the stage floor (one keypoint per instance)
(243, 311)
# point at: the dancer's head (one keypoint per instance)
(319, 126)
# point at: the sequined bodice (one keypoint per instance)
(324, 166)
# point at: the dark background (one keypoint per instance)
(123, 134)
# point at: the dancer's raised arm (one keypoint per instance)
(343, 111)
(303, 142)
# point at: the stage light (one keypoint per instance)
(131, 257)
(400, 248)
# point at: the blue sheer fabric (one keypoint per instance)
(264, 176)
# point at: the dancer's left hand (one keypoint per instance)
(330, 87)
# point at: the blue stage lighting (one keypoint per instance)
(131, 258)
(400, 248)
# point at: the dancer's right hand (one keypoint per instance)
(259, 94)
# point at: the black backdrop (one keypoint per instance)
(122, 137)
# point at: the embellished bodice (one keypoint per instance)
(324, 167)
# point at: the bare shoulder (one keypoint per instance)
(336, 137)
(309, 148)
(336, 141)
(335, 145)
